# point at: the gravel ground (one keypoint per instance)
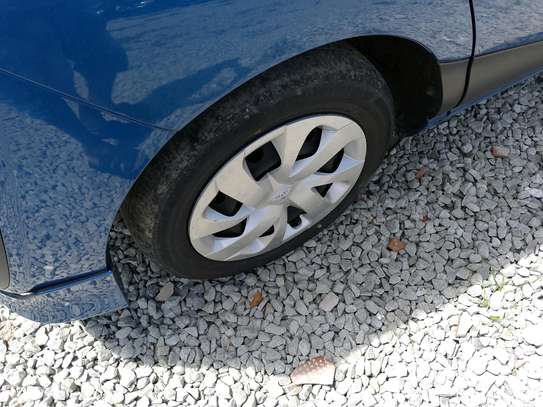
(448, 313)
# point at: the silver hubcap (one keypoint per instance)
(277, 187)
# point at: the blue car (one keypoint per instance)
(225, 133)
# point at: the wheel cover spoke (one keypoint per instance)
(259, 221)
(213, 222)
(309, 200)
(331, 143)
(347, 169)
(280, 228)
(289, 143)
(236, 181)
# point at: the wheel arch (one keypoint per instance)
(410, 69)
(412, 73)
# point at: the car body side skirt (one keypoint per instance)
(469, 80)
(495, 71)
(488, 75)
(453, 80)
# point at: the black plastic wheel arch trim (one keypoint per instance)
(453, 81)
(455, 75)
(4, 270)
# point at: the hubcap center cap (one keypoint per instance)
(280, 194)
(279, 191)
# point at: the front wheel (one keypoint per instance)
(264, 169)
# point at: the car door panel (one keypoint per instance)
(508, 48)
(503, 24)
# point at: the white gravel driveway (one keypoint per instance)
(452, 315)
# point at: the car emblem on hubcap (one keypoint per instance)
(281, 195)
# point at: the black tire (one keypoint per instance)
(328, 80)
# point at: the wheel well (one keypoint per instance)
(411, 71)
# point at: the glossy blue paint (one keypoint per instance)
(65, 168)
(504, 24)
(162, 62)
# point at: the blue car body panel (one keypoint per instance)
(63, 176)
(163, 62)
(503, 24)
(91, 90)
